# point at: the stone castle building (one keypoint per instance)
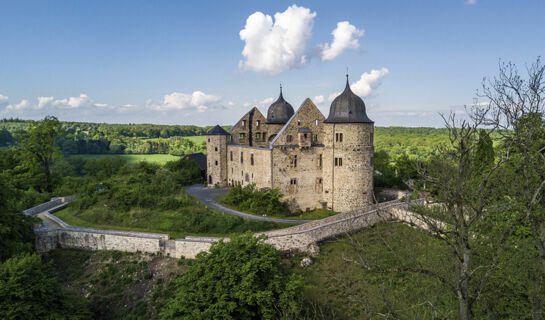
(316, 162)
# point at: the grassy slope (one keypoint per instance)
(116, 285)
(367, 274)
(196, 139)
(176, 223)
(133, 159)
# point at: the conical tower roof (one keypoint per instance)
(280, 111)
(347, 108)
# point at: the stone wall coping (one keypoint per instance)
(99, 231)
(320, 226)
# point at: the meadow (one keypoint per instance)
(133, 159)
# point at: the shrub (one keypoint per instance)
(250, 199)
(240, 279)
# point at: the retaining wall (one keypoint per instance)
(55, 233)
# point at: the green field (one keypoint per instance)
(133, 159)
(196, 139)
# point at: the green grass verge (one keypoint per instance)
(373, 274)
(315, 214)
(133, 159)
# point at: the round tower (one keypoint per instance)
(348, 153)
(216, 157)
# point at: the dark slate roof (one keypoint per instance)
(348, 108)
(280, 111)
(217, 131)
(199, 158)
(304, 130)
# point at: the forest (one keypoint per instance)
(482, 255)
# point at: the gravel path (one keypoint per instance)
(208, 196)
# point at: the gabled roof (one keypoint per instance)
(291, 119)
(217, 131)
(254, 109)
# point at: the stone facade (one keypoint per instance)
(314, 164)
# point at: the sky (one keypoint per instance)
(209, 62)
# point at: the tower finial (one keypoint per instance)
(347, 83)
(281, 89)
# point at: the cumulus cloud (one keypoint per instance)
(178, 100)
(274, 46)
(24, 104)
(44, 102)
(368, 82)
(345, 36)
(318, 99)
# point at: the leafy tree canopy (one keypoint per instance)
(239, 279)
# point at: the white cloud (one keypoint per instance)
(318, 99)
(273, 47)
(471, 2)
(178, 100)
(44, 102)
(368, 82)
(24, 104)
(82, 100)
(345, 36)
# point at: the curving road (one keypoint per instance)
(208, 196)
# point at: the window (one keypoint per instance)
(319, 185)
(263, 135)
(257, 123)
(208, 139)
(320, 161)
(241, 157)
(231, 155)
(293, 185)
(257, 136)
(243, 123)
(338, 137)
(293, 162)
(298, 122)
(305, 135)
(314, 138)
(216, 149)
(289, 138)
(241, 136)
(230, 138)
(231, 170)
(252, 159)
(338, 162)
(216, 162)
(247, 178)
(316, 122)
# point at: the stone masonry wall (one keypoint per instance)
(245, 172)
(216, 158)
(303, 238)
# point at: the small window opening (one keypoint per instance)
(241, 157)
(252, 159)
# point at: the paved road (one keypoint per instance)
(208, 196)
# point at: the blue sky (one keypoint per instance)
(183, 62)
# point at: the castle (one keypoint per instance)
(315, 162)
